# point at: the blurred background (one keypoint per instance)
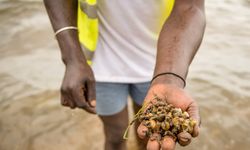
(31, 117)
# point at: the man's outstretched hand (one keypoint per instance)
(78, 87)
(178, 98)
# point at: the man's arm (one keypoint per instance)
(78, 87)
(63, 13)
(179, 41)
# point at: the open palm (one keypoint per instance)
(178, 97)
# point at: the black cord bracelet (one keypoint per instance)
(170, 73)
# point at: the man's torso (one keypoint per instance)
(128, 33)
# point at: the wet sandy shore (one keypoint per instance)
(31, 117)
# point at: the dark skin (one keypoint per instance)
(78, 87)
(179, 41)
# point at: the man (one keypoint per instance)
(124, 62)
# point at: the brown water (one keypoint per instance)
(31, 117)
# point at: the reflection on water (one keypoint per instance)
(31, 117)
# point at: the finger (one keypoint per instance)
(65, 101)
(196, 131)
(90, 109)
(142, 131)
(93, 103)
(91, 93)
(78, 96)
(72, 105)
(70, 101)
(153, 142)
(168, 143)
(63, 97)
(193, 111)
(81, 102)
(184, 138)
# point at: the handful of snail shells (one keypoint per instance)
(164, 119)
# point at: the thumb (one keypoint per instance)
(91, 93)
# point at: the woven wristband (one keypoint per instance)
(169, 73)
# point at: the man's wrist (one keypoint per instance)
(70, 48)
(74, 58)
(169, 78)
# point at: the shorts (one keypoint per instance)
(111, 98)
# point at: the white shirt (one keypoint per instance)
(128, 33)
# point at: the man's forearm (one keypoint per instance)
(180, 37)
(63, 13)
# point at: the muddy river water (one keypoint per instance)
(31, 71)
